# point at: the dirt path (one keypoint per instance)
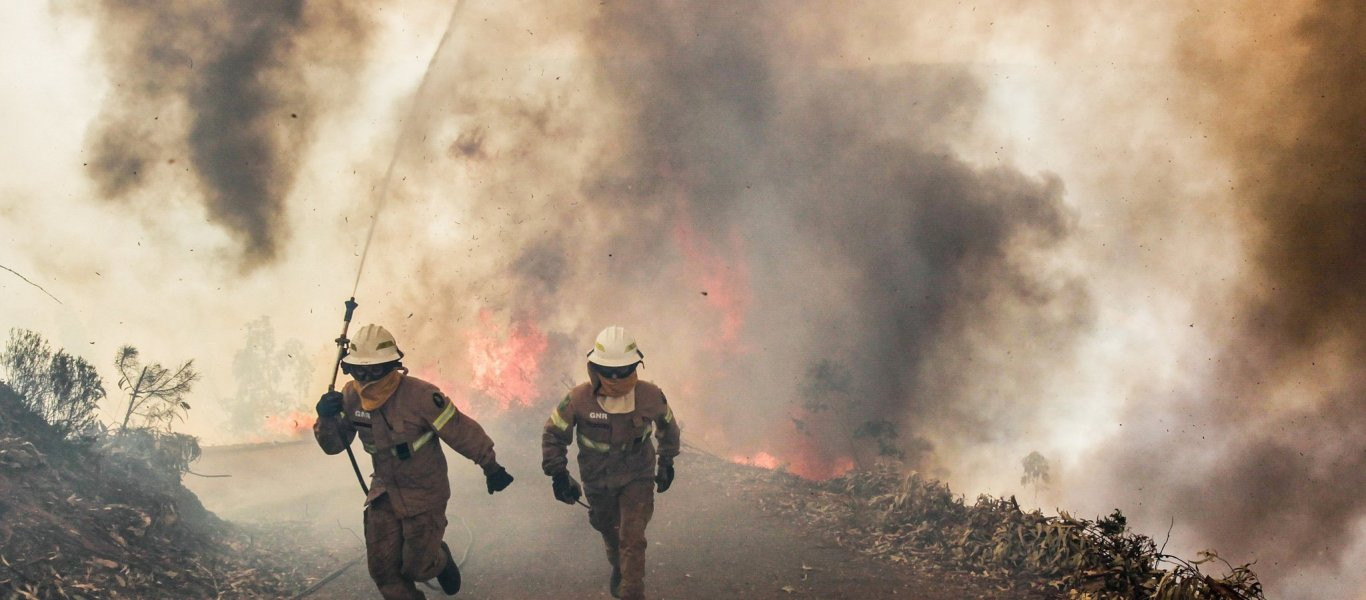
(705, 541)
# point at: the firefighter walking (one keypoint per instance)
(615, 417)
(399, 419)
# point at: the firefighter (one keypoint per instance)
(399, 418)
(615, 415)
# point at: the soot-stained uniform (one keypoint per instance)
(405, 513)
(617, 458)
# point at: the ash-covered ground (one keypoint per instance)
(711, 536)
(83, 517)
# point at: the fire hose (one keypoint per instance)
(342, 342)
(404, 134)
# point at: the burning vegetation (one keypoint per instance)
(505, 361)
(92, 512)
(1128, 235)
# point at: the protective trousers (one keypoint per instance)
(400, 551)
(621, 515)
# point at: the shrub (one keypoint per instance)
(61, 389)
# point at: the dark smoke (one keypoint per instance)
(236, 88)
(916, 248)
(542, 266)
(864, 243)
(1272, 449)
(732, 164)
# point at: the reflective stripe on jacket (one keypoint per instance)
(399, 436)
(614, 449)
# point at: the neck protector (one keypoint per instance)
(375, 393)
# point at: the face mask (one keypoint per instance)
(375, 393)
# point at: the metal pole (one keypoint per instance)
(332, 386)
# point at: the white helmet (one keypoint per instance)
(372, 345)
(615, 348)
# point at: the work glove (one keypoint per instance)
(498, 479)
(566, 489)
(664, 477)
(330, 405)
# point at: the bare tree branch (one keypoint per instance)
(158, 396)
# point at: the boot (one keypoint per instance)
(615, 584)
(450, 574)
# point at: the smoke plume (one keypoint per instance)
(755, 207)
(1278, 430)
(914, 247)
(1130, 237)
(229, 93)
(809, 255)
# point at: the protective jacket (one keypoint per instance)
(614, 449)
(400, 437)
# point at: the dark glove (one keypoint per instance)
(566, 489)
(498, 479)
(664, 478)
(330, 405)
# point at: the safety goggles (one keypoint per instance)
(366, 373)
(615, 372)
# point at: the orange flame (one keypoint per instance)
(505, 361)
(805, 460)
(812, 459)
(291, 424)
(723, 276)
(806, 466)
(434, 375)
(818, 468)
(762, 459)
